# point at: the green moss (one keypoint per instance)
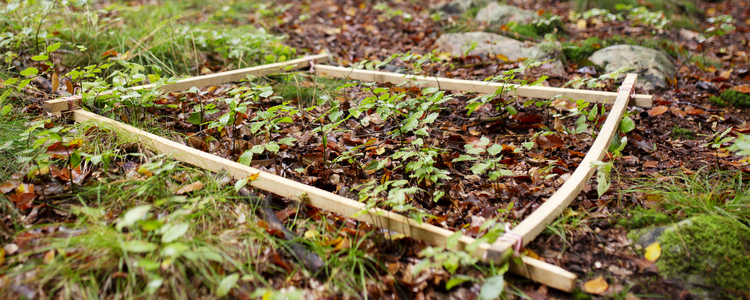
(678, 132)
(642, 217)
(577, 52)
(718, 101)
(736, 98)
(719, 252)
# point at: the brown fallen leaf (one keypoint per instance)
(195, 186)
(596, 286)
(658, 110)
(745, 88)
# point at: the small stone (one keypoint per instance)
(496, 13)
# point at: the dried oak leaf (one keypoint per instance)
(596, 286)
(658, 110)
(745, 88)
(195, 186)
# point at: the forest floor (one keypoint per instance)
(90, 212)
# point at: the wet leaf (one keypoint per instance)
(653, 252)
(745, 88)
(596, 286)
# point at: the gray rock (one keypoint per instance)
(458, 7)
(491, 44)
(495, 13)
(701, 251)
(653, 66)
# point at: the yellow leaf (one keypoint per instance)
(254, 177)
(444, 55)
(596, 286)
(502, 57)
(2, 256)
(581, 24)
(653, 252)
(310, 234)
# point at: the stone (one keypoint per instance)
(495, 13)
(458, 7)
(491, 44)
(703, 251)
(653, 66)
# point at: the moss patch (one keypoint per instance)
(736, 98)
(711, 249)
(641, 217)
(579, 51)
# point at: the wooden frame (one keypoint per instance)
(67, 103)
(537, 270)
(478, 86)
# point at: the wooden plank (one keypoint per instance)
(534, 224)
(64, 104)
(478, 86)
(542, 272)
(547, 274)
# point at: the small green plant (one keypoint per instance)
(682, 133)
(486, 159)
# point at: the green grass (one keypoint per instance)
(705, 192)
(175, 37)
(10, 128)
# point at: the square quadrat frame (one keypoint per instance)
(498, 252)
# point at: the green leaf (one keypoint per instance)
(452, 240)
(492, 288)
(39, 57)
(456, 280)
(246, 158)
(133, 215)
(138, 246)
(241, 183)
(273, 147)
(195, 118)
(147, 264)
(30, 71)
(173, 232)
(174, 250)
(154, 285)
(227, 284)
(494, 149)
(151, 225)
(626, 125)
(53, 47)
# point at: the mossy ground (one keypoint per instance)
(643, 217)
(740, 100)
(718, 250)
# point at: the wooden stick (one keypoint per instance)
(64, 104)
(478, 86)
(553, 207)
(544, 273)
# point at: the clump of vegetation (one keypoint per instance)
(538, 28)
(700, 193)
(737, 99)
(577, 52)
(715, 247)
(683, 133)
(642, 217)
(580, 51)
